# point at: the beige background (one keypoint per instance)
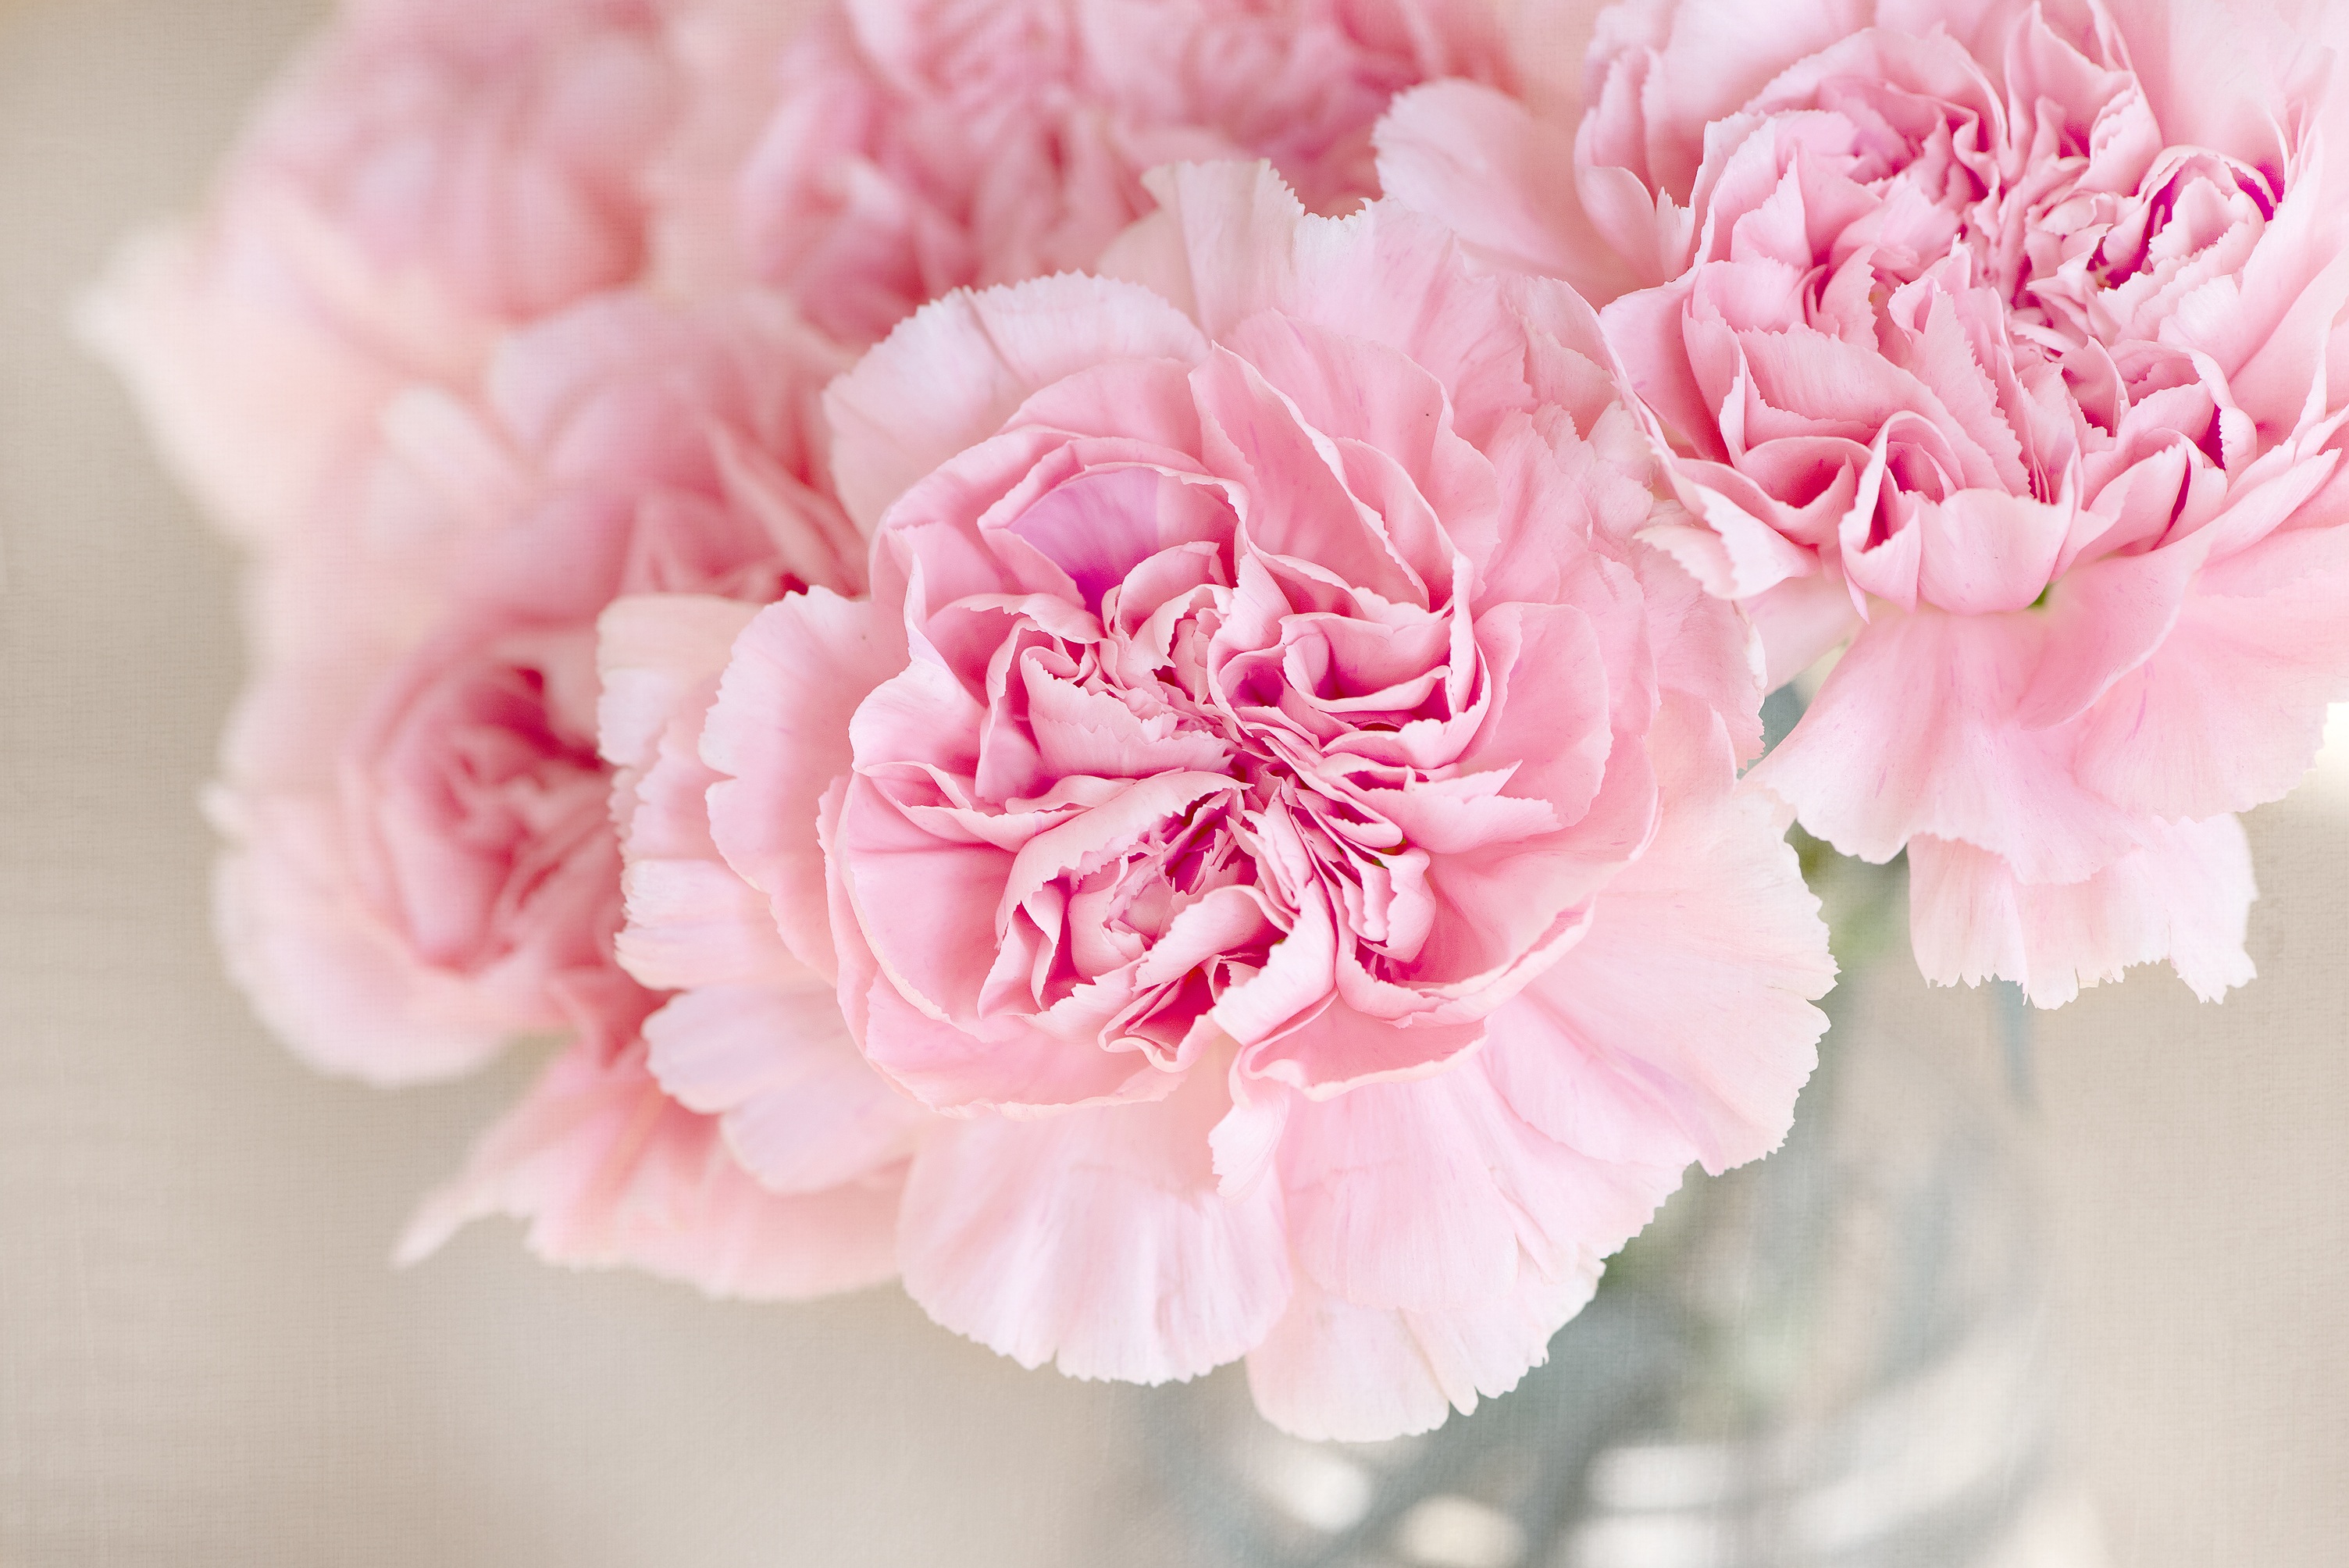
(204, 1360)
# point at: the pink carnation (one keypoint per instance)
(2001, 342)
(1271, 822)
(915, 145)
(422, 862)
(432, 173)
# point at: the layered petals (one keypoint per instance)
(907, 147)
(416, 813)
(427, 176)
(609, 1170)
(1097, 1241)
(1993, 342)
(2185, 897)
(1275, 701)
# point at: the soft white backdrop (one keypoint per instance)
(205, 1360)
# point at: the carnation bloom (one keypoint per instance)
(424, 863)
(431, 173)
(1998, 341)
(1271, 821)
(910, 147)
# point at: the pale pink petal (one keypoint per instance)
(608, 1171)
(1707, 649)
(260, 408)
(1915, 732)
(1424, 1196)
(1218, 790)
(691, 920)
(2215, 70)
(1096, 1239)
(1680, 1027)
(802, 1110)
(911, 150)
(652, 653)
(1332, 1371)
(949, 376)
(2227, 714)
(2185, 898)
(426, 176)
(1799, 621)
(330, 977)
(778, 732)
(2060, 426)
(1246, 245)
(1483, 165)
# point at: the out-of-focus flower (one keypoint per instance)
(2001, 343)
(422, 859)
(1271, 818)
(421, 862)
(910, 147)
(431, 174)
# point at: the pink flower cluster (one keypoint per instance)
(1270, 831)
(2001, 347)
(1049, 692)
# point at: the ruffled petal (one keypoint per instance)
(1096, 1239)
(1331, 1370)
(1916, 732)
(778, 732)
(1423, 1196)
(802, 1109)
(607, 1170)
(1680, 1026)
(652, 651)
(1246, 245)
(331, 978)
(2185, 898)
(1482, 163)
(691, 920)
(948, 376)
(2227, 714)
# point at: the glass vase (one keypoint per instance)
(1832, 1358)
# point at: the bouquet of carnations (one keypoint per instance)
(1106, 655)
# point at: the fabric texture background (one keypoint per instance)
(205, 1357)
